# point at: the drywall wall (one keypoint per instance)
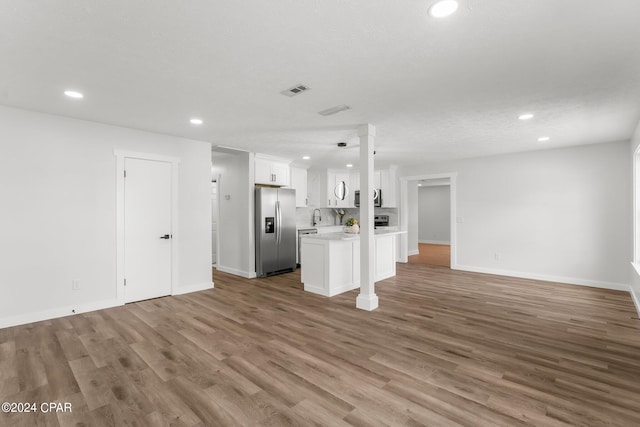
(634, 269)
(59, 213)
(413, 225)
(434, 214)
(236, 213)
(560, 215)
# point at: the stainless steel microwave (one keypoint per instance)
(377, 198)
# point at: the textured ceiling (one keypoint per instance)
(434, 89)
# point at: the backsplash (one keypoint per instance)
(304, 216)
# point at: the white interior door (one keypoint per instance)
(147, 229)
(214, 222)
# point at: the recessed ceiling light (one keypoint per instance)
(305, 157)
(349, 165)
(73, 94)
(419, 185)
(443, 8)
(196, 121)
(543, 139)
(525, 116)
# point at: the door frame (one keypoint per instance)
(215, 181)
(121, 155)
(404, 213)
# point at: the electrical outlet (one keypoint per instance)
(75, 285)
(496, 256)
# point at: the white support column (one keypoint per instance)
(367, 300)
(404, 220)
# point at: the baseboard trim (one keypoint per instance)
(193, 288)
(235, 272)
(325, 293)
(316, 290)
(411, 253)
(55, 313)
(435, 242)
(636, 300)
(560, 279)
(634, 295)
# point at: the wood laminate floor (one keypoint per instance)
(444, 348)
(432, 254)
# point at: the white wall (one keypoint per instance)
(413, 225)
(635, 212)
(235, 221)
(434, 214)
(58, 212)
(560, 215)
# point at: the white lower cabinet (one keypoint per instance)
(385, 256)
(331, 264)
(327, 269)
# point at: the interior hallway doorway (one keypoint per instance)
(428, 211)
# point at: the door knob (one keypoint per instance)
(166, 236)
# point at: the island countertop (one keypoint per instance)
(349, 236)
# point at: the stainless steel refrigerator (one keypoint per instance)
(275, 230)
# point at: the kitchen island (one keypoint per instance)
(330, 262)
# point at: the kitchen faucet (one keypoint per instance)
(314, 217)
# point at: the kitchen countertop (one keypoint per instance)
(349, 236)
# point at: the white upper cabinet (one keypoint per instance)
(272, 171)
(299, 183)
(354, 179)
(387, 184)
(384, 180)
(326, 189)
(340, 192)
(330, 189)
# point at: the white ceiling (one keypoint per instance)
(434, 89)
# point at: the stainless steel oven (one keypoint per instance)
(381, 220)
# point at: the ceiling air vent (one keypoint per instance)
(296, 90)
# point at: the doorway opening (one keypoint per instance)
(434, 223)
(214, 223)
(428, 215)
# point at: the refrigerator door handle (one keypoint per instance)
(278, 223)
